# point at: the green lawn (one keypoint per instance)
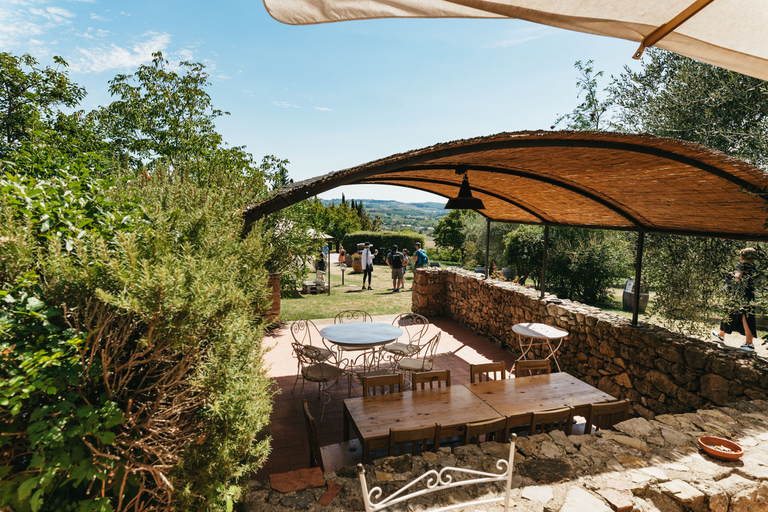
(379, 301)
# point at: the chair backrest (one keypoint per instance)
(606, 415)
(382, 382)
(493, 430)
(433, 378)
(554, 419)
(305, 331)
(533, 367)
(352, 315)
(313, 366)
(315, 456)
(414, 325)
(427, 354)
(402, 436)
(487, 370)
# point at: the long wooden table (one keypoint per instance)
(512, 397)
(372, 417)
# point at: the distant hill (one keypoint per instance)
(397, 216)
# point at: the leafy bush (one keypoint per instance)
(131, 372)
(383, 241)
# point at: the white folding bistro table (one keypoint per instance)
(531, 334)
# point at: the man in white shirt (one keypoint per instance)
(367, 261)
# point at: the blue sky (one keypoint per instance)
(325, 97)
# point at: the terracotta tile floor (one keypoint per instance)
(459, 347)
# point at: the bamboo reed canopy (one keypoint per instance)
(597, 180)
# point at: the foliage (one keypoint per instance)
(524, 250)
(443, 255)
(366, 222)
(688, 275)
(475, 231)
(383, 241)
(674, 96)
(335, 221)
(131, 362)
(30, 97)
(588, 114)
(581, 264)
(164, 116)
(449, 231)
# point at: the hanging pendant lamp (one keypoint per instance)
(464, 201)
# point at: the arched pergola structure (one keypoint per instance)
(599, 180)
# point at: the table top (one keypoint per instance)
(522, 395)
(539, 331)
(359, 334)
(449, 406)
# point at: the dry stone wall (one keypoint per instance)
(660, 371)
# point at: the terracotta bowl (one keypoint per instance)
(714, 447)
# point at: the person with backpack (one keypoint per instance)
(422, 260)
(396, 261)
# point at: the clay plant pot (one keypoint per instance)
(720, 448)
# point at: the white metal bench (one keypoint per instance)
(442, 480)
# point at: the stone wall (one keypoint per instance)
(660, 371)
(641, 466)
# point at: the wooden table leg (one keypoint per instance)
(345, 422)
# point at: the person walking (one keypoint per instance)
(742, 318)
(367, 262)
(422, 259)
(342, 255)
(395, 261)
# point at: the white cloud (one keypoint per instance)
(105, 58)
(285, 104)
(99, 17)
(324, 109)
(54, 14)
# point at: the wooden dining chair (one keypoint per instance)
(553, 419)
(487, 370)
(606, 415)
(384, 383)
(494, 430)
(532, 367)
(306, 333)
(333, 457)
(435, 378)
(415, 436)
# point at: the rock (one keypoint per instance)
(715, 388)
(684, 493)
(635, 427)
(751, 500)
(545, 471)
(297, 480)
(538, 493)
(579, 500)
(674, 437)
(617, 500)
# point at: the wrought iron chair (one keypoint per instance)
(415, 327)
(306, 333)
(554, 419)
(371, 384)
(606, 415)
(322, 372)
(487, 370)
(421, 435)
(332, 457)
(435, 377)
(352, 315)
(532, 367)
(425, 362)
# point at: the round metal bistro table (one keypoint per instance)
(530, 334)
(365, 337)
(361, 335)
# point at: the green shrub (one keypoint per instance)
(131, 368)
(383, 241)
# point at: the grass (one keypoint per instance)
(379, 301)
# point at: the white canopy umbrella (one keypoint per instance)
(726, 33)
